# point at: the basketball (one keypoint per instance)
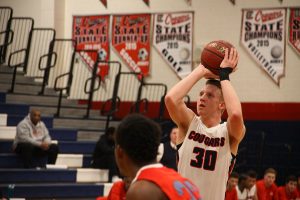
(213, 54)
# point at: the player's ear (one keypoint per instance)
(119, 152)
(222, 105)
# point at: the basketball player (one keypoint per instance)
(266, 187)
(231, 192)
(137, 141)
(206, 146)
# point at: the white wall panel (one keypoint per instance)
(213, 20)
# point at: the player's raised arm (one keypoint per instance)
(235, 121)
(174, 100)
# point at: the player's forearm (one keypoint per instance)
(178, 92)
(235, 121)
(232, 102)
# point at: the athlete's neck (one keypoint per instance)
(241, 188)
(136, 167)
(210, 121)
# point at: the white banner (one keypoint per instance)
(263, 36)
(294, 29)
(172, 38)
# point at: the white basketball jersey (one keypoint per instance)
(246, 194)
(205, 158)
(242, 195)
(252, 192)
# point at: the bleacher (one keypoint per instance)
(42, 75)
(72, 176)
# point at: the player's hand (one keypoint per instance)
(44, 146)
(207, 73)
(230, 59)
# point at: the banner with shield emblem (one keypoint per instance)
(173, 39)
(263, 37)
(91, 34)
(131, 40)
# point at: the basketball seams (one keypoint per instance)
(224, 43)
(213, 52)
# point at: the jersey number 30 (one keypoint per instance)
(205, 159)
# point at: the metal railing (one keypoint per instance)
(6, 34)
(90, 86)
(126, 87)
(150, 92)
(40, 55)
(112, 103)
(62, 72)
(19, 48)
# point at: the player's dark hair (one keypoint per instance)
(242, 178)
(234, 175)
(110, 130)
(291, 178)
(214, 82)
(139, 137)
(252, 174)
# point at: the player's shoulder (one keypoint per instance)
(144, 190)
(259, 184)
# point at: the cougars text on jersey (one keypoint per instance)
(202, 138)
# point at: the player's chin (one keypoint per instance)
(200, 110)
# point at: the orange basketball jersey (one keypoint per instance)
(169, 181)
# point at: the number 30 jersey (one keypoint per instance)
(205, 158)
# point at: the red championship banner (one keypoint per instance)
(104, 2)
(294, 29)
(263, 36)
(173, 39)
(91, 33)
(131, 39)
(147, 2)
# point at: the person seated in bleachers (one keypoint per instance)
(241, 188)
(169, 150)
(103, 156)
(251, 185)
(33, 142)
(231, 192)
(289, 191)
(246, 189)
(266, 188)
